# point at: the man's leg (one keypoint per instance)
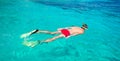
(34, 43)
(38, 31)
(48, 32)
(54, 38)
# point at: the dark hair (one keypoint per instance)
(84, 26)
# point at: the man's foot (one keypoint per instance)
(25, 35)
(30, 43)
(28, 34)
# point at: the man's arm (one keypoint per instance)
(72, 35)
(64, 28)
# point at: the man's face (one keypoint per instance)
(85, 28)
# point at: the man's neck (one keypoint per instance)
(83, 28)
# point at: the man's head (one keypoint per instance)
(84, 26)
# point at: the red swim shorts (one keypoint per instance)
(65, 32)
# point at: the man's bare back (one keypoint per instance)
(76, 30)
(63, 32)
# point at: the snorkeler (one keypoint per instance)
(62, 32)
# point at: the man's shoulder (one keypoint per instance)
(76, 27)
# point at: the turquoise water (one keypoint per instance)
(99, 43)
